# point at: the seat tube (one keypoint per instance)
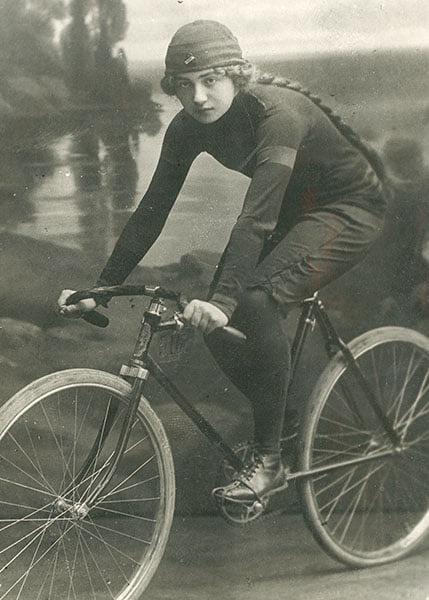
(305, 323)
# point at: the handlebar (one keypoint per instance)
(103, 294)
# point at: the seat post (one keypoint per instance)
(306, 323)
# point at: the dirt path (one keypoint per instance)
(273, 559)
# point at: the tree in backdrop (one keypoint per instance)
(30, 64)
(96, 69)
(111, 108)
(31, 91)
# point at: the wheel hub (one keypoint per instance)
(379, 441)
(77, 510)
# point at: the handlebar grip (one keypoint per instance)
(96, 318)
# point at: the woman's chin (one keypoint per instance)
(206, 116)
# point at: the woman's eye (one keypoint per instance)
(210, 81)
(183, 84)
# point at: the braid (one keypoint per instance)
(350, 134)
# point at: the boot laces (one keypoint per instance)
(250, 468)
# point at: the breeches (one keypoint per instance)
(321, 246)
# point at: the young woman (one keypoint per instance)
(313, 209)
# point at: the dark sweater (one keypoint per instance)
(296, 158)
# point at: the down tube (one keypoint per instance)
(196, 417)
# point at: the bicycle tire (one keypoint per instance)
(381, 510)
(46, 430)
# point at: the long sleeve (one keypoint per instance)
(278, 138)
(146, 223)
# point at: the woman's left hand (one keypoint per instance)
(204, 316)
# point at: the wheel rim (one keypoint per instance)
(51, 545)
(379, 508)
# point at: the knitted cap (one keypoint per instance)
(202, 45)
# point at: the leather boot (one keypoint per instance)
(262, 477)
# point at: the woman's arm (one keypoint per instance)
(146, 223)
(278, 139)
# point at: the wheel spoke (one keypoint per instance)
(139, 468)
(87, 569)
(127, 500)
(124, 514)
(38, 560)
(40, 528)
(106, 585)
(119, 490)
(330, 454)
(122, 534)
(19, 520)
(109, 550)
(37, 467)
(48, 421)
(343, 425)
(101, 539)
(15, 466)
(31, 563)
(76, 438)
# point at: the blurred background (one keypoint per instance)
(81, 123)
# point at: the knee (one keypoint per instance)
(214, 344)
(257, 302)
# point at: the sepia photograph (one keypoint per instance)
(214, 305)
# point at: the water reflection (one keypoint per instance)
(71, 120)
(22, 171)
(78, 192)
(105, 177)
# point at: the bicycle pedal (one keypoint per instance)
(239, 512)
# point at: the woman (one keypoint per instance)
(313, 208)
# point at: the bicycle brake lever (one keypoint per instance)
(182, 302)
(178, 319)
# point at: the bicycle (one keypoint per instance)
(87, 476)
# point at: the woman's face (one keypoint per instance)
(205, 95)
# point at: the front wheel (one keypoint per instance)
(52, 545)
(375, 508)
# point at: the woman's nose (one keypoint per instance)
(200, 94)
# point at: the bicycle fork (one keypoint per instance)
(136, 371)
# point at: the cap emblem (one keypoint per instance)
(189, 59)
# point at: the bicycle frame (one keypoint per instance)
(142, 364)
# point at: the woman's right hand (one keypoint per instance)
(74, 311)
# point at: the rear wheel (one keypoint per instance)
(377, 509)
(52, 545)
